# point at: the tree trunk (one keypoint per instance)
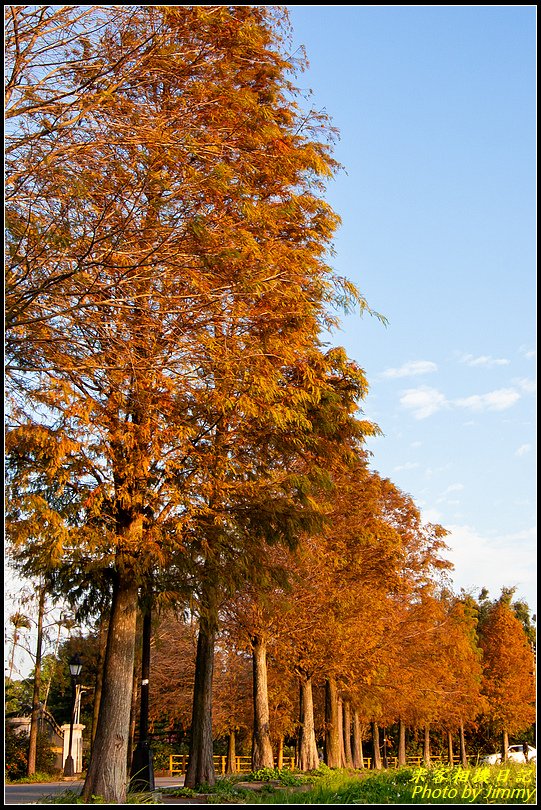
(141, 766)
(34, 719)
(231, 760)
(340, 710)
(358, 759)
(107, 774)
(298, 738)
(426, 747)
(505, 744)
(308, 758)
(463, 757)
(376, 754)
(450, 747)
(280, 754)
(262, 756)
(200, 763)
(102, 646)
(401, 742)
(13, 648)
(133, 713)
(332, 731)
(385, 748)
(348, 756)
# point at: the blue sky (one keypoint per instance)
(436, 108)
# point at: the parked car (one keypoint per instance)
(515, 753)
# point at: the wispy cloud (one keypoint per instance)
(484, 360)
(527, 385)
(498, 400)
(423, 401)
(412, 369)
(528, 352)
(523, 450)
(430, 472)
(409, 465)
(453, 488)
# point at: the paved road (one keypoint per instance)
(30, 794)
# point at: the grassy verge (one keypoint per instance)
(74, 797)
(37, 777)
(498, 784)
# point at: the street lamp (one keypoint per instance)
(75, 668)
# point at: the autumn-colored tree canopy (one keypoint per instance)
(508, 671)
(179, 432)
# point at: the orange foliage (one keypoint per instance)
(508, 670)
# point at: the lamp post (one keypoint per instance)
(75, 668)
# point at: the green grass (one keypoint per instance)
(500, 784)
(226, 789)
(74, 797)
(39, 776)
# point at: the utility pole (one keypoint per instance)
(142, 769)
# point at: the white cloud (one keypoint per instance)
(430, 472)
(493, 562)
(409, 465)
(523, 450)
(530, 354)
(484, 360)
(527, 385)
(454, 488)
(498, 400)
(411, 369)
(423, 401)
(443, 498)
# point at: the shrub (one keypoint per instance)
(284, 777)
(16, 755)
(161, 751)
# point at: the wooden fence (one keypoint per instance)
(179, 762)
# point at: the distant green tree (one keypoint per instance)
(17, 697)
(60, 696)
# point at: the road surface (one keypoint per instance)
(32, 793)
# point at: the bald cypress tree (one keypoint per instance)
(168, 275)
(508, 672)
